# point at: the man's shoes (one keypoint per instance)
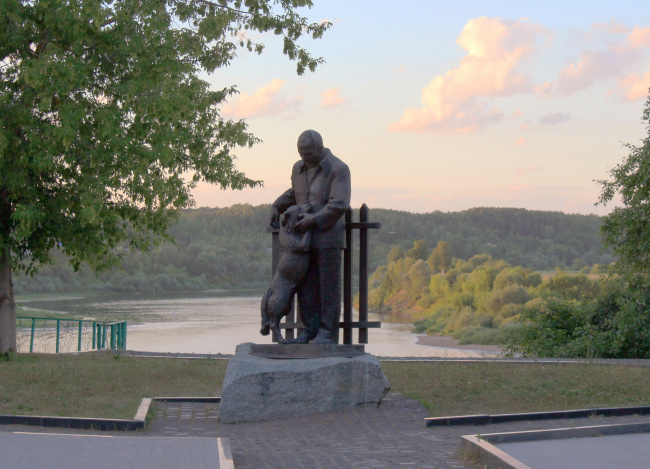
(303, 338)
(323, 337)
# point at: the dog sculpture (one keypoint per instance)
(289, 274)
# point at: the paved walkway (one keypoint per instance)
(29, 450)
(391, 436)
(605, 452)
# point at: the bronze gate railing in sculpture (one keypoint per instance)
(290, 325)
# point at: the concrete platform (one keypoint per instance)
(27, 450)
(625, 446)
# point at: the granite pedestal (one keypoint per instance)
(257, 388)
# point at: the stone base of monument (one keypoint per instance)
(257, 388)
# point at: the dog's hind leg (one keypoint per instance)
(275, 328)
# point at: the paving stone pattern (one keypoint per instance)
(390, 436)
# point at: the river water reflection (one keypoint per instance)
(216, 322)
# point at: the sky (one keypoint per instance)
(450, 105)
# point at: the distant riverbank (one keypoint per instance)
(450, 342)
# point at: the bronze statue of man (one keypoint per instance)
(321, 180)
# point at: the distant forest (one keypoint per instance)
(229, 248)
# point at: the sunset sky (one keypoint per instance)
(449, 105)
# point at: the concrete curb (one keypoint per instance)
(482, 447)
(226, 460)
(484, 419)
(473, 447)
(137, 423)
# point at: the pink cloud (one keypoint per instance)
(521, 141)
(635, 87)
(265, 101)
(527, 169)
(331, 98)
(611, 27)
(517, 113)
(597, 65)
(452, 103)
(640, 36)
(544, 90)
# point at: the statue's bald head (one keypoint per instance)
(310, 147)
(310, 138)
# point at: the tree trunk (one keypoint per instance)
(7, 306)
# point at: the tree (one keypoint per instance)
(395, 254)
(106, 125)
(419, 276)
(419, 250)
(627, 227)
(440, 258)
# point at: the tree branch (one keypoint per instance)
(224, 7)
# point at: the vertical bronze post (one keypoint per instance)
(363, 273)
(347, 278)
(275, 250)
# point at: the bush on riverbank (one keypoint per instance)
(479, 300)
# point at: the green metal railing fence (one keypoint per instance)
(52, 335)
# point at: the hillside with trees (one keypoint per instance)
(230, 248)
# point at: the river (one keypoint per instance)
(216, 322)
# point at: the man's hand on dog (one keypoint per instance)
(306, 223)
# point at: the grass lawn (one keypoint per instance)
(100, 385)
(448, 388)
(111, 386)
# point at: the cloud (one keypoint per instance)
(523, 171)
(554, 118)
(521, 142)
(595, 65)
(331, 98)
(635, 87)
(640, 37)
(265, 101)
(517, 113)
(610, 62)
(611, 27)
(454, 102)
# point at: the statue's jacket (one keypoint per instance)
(328, 192)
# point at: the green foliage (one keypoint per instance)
(107, 125)
(534, 239)
(104, 116)
(395, 254)
(214, 248)
(440, 258)
(229, 248)
(419, 277)
(481, 299)
(419, 250)
(613, 325)
(627, 227)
